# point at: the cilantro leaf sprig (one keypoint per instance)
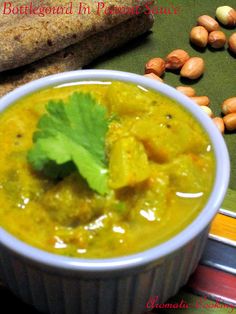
(72, 135)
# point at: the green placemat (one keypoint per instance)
(171, 32)
(230, 201)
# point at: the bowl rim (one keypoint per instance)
(155, 253)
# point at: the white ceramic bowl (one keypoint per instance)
(60, 284)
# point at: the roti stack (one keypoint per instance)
(33, 46)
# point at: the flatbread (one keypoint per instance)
(78, 55)
(30, 38)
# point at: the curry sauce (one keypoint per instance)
(161, 171)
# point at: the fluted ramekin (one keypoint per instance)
(60, 284)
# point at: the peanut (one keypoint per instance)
(154, 77)
(176, 59)
(207, 110)
(232, 43)
(156, 66)
(229, 106)
(193, 68)
(230, 121)
(217, 39)
(219, 123)
(186, 90)
(226, 15)
(201, 100)
(199, 36)
(208, 22)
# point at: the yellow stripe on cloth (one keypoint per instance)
(223, 229)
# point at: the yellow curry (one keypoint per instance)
(160, 173)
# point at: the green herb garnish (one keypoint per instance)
(72, 135)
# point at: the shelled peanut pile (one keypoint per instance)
(207, 32)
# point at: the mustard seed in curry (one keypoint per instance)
(153, 169)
